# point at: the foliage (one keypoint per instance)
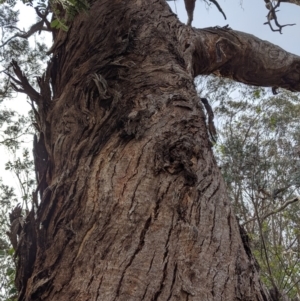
(65, 11)
(21, 167)
(7, 288)
(30, 53)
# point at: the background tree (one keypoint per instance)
(131, 198)
(16, 129)
(258, 152)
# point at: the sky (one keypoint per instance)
(247, 16)
(242, 15)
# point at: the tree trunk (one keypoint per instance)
(133, 205)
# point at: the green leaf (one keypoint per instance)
(54, 23)
(12, 291)
(10, 271)
(11, 251)
(256, 94)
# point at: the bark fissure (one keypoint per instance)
(162, 282)
(150, 266)
(159, 200)
(173, 281)
(143, 297)
(138, 249)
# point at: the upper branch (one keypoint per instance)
(242, 57)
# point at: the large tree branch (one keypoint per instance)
(242, 57)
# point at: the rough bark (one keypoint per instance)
(133, 204)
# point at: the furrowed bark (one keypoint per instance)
(133, 204)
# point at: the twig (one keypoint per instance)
(272, 16)
(287, 203)
(219, 7)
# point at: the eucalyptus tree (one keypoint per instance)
(130, 203)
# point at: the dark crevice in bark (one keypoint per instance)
(150, 266)
(162, 282)
(98, 288)
(142, 153)
(197, 208)
(113, 176)
(138, 249)
(107, 249)
(129, 179)
(213, 226)
(173, 281)
(216, 251)
(167, 242)
(205, 188)
(166, 260)
(143, 297)
(213, 280)
(225, 283)
(158, 202)
(92, 278)
(215, 191)
(133, 200)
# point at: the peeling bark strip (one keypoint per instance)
(132, 205)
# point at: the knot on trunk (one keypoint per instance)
(135, 123)
(178, 157)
